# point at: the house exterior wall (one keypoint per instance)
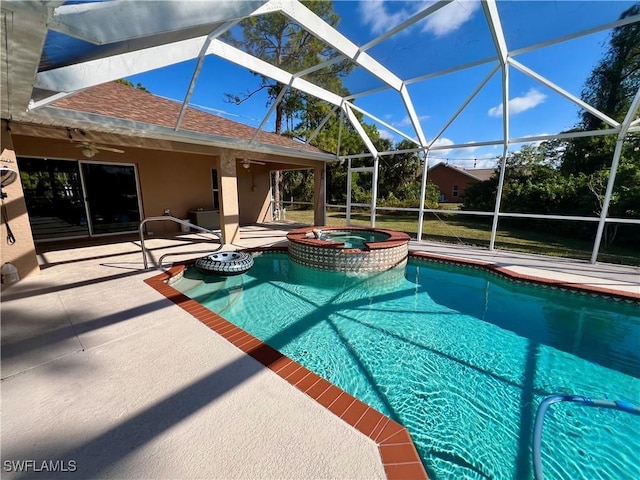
(254, 194)
(446, 178)
(171, 175)
(21, 253)
(229, 208)
(254, 191)
(179, 182)
(174, 180)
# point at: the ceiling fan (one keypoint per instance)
(89, 150)
(7, 177)
(246, 163)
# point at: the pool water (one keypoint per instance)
(353, 238)
(460, 357)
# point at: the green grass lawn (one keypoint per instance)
(463, 230)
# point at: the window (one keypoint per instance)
(216, 191)
(454, 192)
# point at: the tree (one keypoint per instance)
(571, 176)
(400, 175)
(481, 196)
(279, 41)
(139, 86)
(616, 78)
(610, 88)
(350, 144)
(532, 184)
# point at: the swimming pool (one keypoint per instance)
(461, 357)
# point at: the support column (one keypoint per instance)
(229, 211)
(21, 252)
(423, 193)
(374, 189)
(319, 197)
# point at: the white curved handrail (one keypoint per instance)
(176, 220)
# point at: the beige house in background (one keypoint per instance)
(80, 178)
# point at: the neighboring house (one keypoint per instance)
(452, 181)
(116, 159)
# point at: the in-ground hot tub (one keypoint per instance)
(348, 249)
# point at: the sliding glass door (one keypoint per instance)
(67, 198)
(112, 197)
(54, 198)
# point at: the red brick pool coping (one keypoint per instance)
(397, 451)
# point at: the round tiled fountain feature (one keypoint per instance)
(348, 249)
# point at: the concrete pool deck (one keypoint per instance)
(100, 369)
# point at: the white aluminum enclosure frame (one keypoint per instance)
(138, 20)
(350, 171)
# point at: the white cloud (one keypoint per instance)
(450, 18)
(376, 14)
(406, 121)
(380, 16)
(486, 161)
(485, 164)
(442, 142)
(464, 157)
(529, 100)
(536, 143)
(386, 134)
(470, 149)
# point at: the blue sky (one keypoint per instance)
(457, 34)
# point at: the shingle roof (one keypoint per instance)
(121, 101)
(480, 174)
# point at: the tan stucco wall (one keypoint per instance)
(179, 182)
(174, 180)
(22, 252)
(173, 175)
(254, 194)
(254, 191)
(229, 198)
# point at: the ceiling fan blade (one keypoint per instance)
(257, 163)
(109, 149)
(95, 148)
(7, 176)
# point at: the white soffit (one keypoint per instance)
(94, 22)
